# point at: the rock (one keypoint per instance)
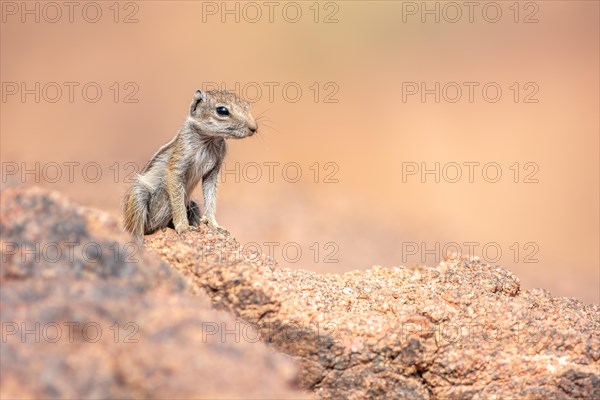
(458, 330)
(87, 314)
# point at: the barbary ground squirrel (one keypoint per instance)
(160, 197)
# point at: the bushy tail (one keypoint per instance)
(135, 211)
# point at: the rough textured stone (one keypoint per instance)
(459, 330)
(113, 321)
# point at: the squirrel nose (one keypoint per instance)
(253, 127)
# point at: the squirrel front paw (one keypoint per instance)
(210, 221)
(183, 228)
(212, 224)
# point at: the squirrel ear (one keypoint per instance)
(199, 97)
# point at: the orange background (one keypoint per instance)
(371, 214)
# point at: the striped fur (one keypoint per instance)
(161, 194)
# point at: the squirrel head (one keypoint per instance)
(221, 113)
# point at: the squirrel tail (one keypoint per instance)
(135, 211)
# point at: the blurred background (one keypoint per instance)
(391, 133)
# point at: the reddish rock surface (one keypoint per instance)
(458, 330)
(110, 320)
(461, 330)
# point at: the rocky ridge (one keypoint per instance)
(458, 330)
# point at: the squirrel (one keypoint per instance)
(160, 196)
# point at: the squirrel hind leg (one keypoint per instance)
(193, 213)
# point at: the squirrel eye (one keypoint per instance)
(222, 111)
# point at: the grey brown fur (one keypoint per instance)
(161, 194)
